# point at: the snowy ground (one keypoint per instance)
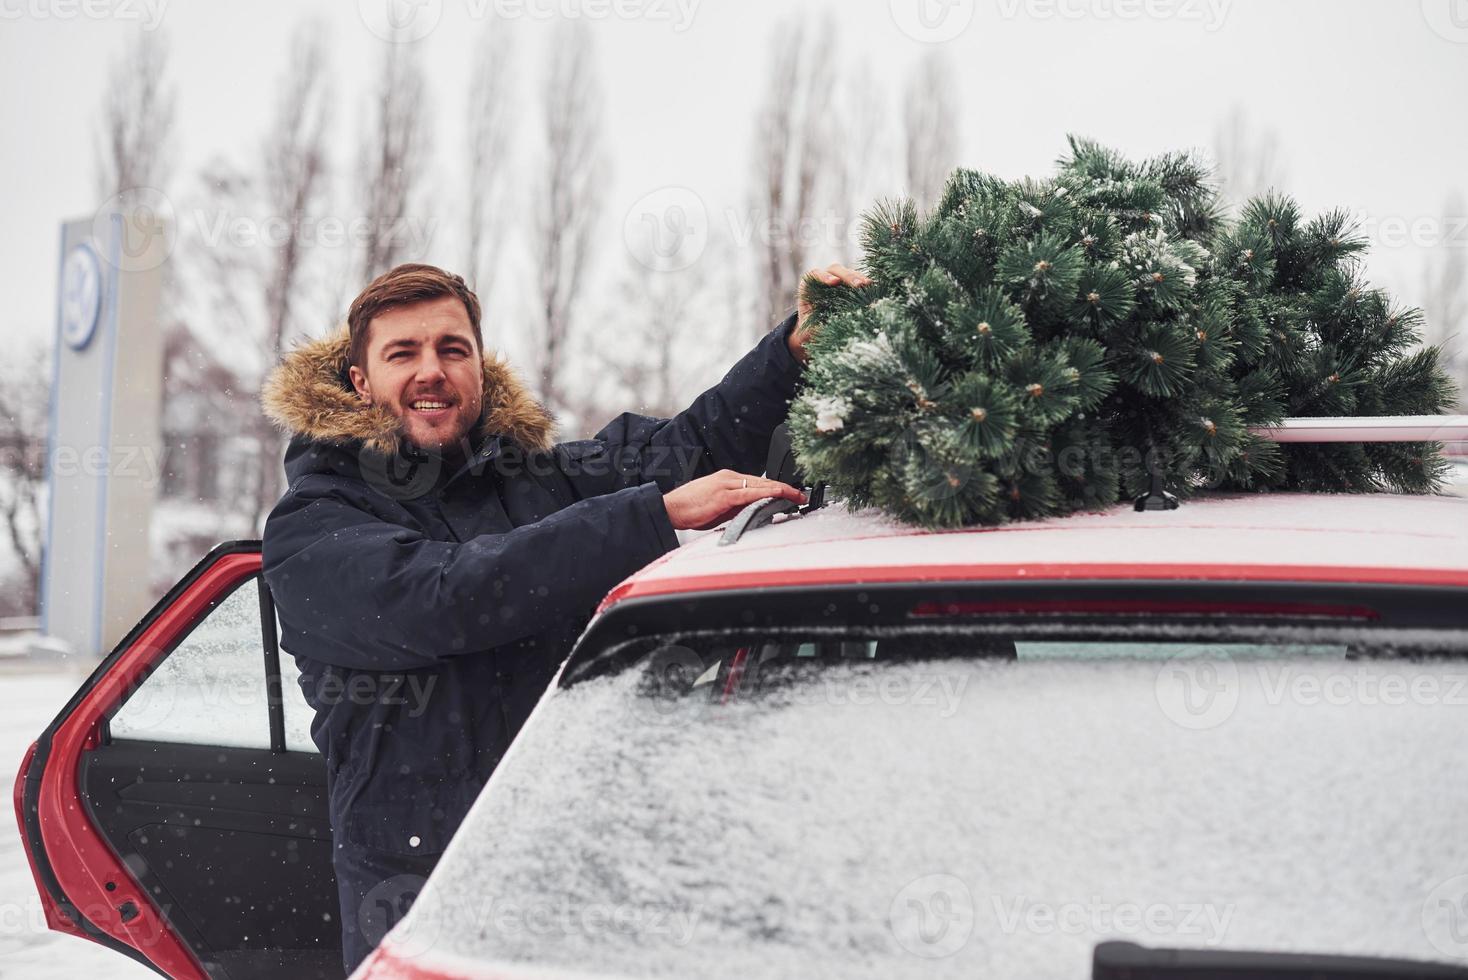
(27, 949)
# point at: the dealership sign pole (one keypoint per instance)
(103, 450)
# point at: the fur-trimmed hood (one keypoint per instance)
(309, 394)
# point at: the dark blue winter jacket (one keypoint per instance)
(428, 603)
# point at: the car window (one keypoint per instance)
(210, 690)
(970, 804)
(298, 714)
(691, 667)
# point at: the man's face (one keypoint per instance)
(422, 363)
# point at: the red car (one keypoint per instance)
(1122, 744)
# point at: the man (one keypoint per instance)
(434, 556)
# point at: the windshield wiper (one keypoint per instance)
(1128, 961)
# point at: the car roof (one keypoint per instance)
(1385, 538)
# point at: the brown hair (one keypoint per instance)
(412, 282)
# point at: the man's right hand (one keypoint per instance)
(711, 500)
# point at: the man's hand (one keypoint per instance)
(830, 275)
(711, 500)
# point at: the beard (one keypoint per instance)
(450, 434)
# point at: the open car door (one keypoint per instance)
(175, 810)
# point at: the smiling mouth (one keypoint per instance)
(430, 408)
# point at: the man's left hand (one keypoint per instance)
(831, 275)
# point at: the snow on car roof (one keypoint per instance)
(1321, 537)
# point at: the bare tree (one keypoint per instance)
(294, 172)
(134, 148)
(640, 357)
(869, 172)
(134, 144)
(24, 397)
(567, 199)
(798, 160)
(1250, 160)
(254, 293)
(930, 120)
(490, 105)
(395, 149)
(671, 334)
(1445, 293)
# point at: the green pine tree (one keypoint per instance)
(1034, 348)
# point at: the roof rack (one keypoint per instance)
(1384, 428)
(780, 465)
(1340, 428)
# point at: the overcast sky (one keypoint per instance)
(1366, 96)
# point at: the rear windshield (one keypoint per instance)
(963, 802)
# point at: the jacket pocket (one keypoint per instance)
(422, 821)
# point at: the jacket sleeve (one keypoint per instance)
(726, 427)
(373, 595)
